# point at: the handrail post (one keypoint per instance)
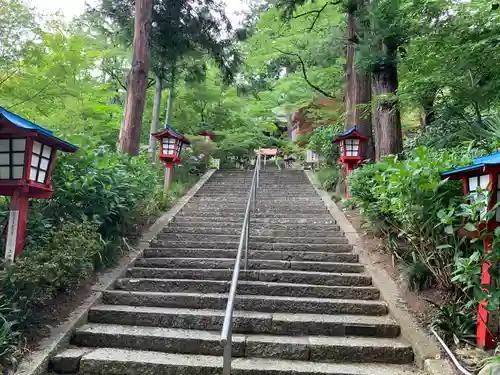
(227, 328)
(228, 353)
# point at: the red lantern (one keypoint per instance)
(351, 147)
(171, 144)
(27, 155)
(483, 175)
(207, 136)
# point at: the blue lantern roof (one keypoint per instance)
(483, 161)
(26, 125)
(172, 133)
(349, 132)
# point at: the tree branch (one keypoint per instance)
(317, 12)
(8, 76)
(34, 96)
(115, 77)
(304, 73)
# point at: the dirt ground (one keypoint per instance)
(55, 312)
(415, 302)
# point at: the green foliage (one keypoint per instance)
(321, 139)
(405, 197)
(455, 323)
(328, 177)
(44, 271)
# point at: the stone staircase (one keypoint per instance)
(305, 306)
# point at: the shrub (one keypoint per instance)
(41, 272)
(328, 177)
(406, 196)
(102, 199)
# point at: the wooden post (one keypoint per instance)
(18, 218)
(169, 171)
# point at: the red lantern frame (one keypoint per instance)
(351, 148)
(483, 174)
(171, 144)
(207, 135)
(27, 157)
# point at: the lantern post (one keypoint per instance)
(171, 144)
(351, 147)
(484, 175)
(209, 137)
(27, 156)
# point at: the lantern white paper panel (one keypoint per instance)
(40, 162)
(479, 182)
(12, 156)
(169, 146)
(352, 147)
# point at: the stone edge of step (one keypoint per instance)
(36, 363)
(131, 362)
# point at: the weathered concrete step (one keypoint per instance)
(313, 197)
(109, 361)
(313, 221)
(285, 276)
(248, 303)
(271, 211)
(248, 288)
(305, 348)
(252, 254)
(247, 321)
(223, 263)
(253, 238)
(213, 244)
(235, 229)
(237, 216)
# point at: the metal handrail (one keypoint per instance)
(227, 328)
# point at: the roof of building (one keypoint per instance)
(483, 161)
(27, 125)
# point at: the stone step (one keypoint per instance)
(247, 321)
(252, 254)
(289, 210)
(262, 230)
(304, 348)
(285, 276)
(213, 244)
(253, 264)
(332, 231)
(114, 361)
(253, 238)
(312, 198)
(247, 303)
(248, 288)
(269, 223)
(292, 215)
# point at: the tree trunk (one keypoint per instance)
(138, 81)
(389, 137)
(170, 99)
(427, 115)
(363, 112)
(350, 79)
(154, 121)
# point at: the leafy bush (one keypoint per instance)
(102, 199)
(320, 141)
(328, 177)
(41, 272)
